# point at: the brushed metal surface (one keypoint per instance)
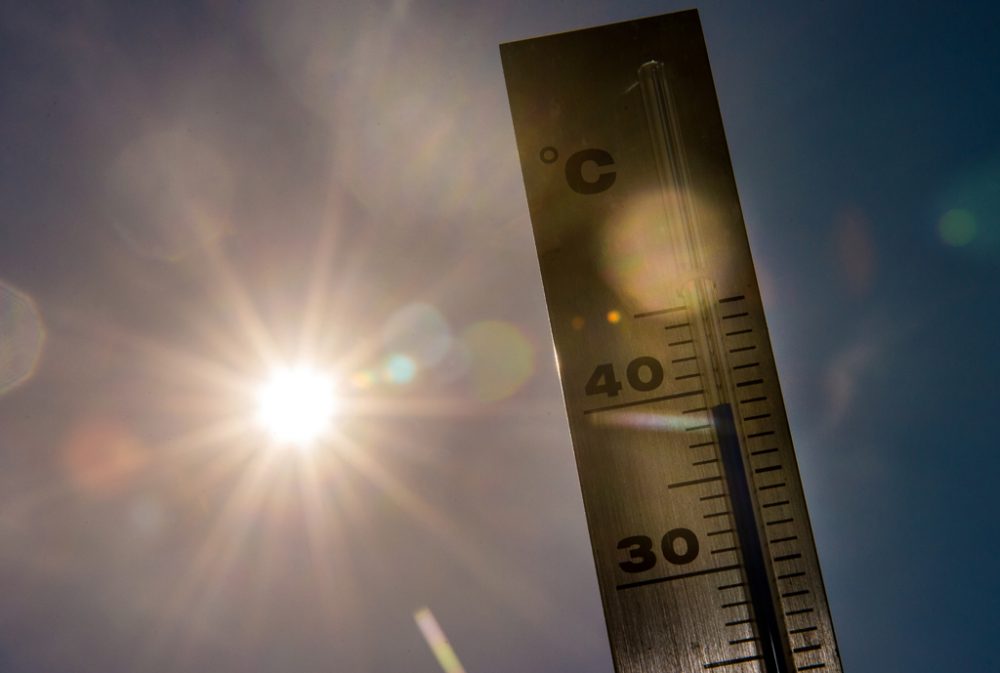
(647, 271)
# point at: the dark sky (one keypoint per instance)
(191, 192)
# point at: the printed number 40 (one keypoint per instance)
(644, 373)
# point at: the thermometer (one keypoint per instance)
(704, 554)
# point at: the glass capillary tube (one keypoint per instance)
(698, 289)
(699, 295)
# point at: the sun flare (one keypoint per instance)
(297, 405)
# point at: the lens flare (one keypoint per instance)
(437, 641)
(640, 251)
(363, 380)
(857, 258)
(22, 336)
(297, 405)
(171, 193)
(651, 421)
(957, 227)
(101, 455)
(399, 369)
(420, 331)
(502, 359)
(967, 221)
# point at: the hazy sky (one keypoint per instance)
(191, 192)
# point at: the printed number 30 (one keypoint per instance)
(640, 550)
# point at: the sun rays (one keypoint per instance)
(207, 388)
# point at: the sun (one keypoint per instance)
(297, 405)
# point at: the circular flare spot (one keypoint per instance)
(101, 454)
(501, 359)
(399, 369)
(648, 253)
(420, 331)
(957, 227)
(363, 380)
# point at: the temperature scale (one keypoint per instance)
(704, 553)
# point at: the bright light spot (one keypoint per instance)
(438, 642)
(296, 405)
(614, 317)
(363, 379)
(400, 368)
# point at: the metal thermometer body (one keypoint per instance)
(704, 554)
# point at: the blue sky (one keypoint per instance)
(188, 191)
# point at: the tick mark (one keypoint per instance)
(788, 576)
(735, 604)
(793, 594)
(694, 482)
(769, 468)
(731, 586)
(652, 400)
(778, 522)
(719, 532)
(658, 580)
(662, 311)
(731, 662)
